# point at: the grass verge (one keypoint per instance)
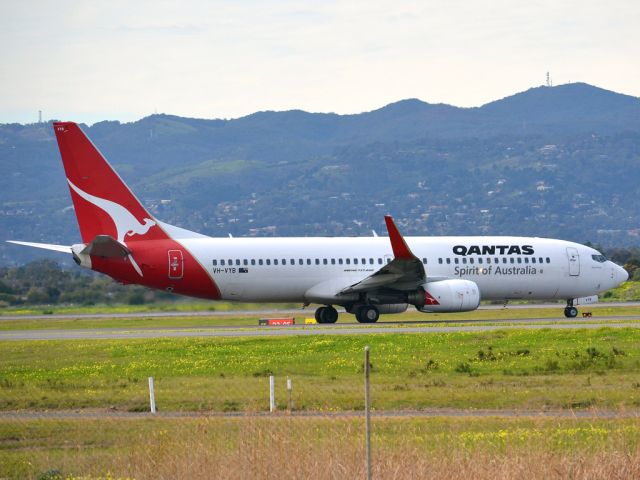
(286, 447)
(517, 368)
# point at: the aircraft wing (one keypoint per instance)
(404, 272)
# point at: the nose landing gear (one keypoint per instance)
(570, 311)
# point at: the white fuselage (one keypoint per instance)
(285, 269)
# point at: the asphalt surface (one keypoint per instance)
(136, 333)
(271, 311)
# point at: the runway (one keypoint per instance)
(348, 329)
(273, 311)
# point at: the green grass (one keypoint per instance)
(179, 306)
(627, 292)
(499, 369)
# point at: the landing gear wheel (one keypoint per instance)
(571, 312)
(367, 314)
(326, 314)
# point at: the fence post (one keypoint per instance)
(289, 391)
(367, 411)
(272, 393)
(152, 397)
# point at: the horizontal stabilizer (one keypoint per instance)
(46, 246)
(106, 246)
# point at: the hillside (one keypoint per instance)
(558, 161)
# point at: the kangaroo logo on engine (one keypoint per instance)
(493, 250)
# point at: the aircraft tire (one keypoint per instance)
(367, 314)
(571, 312)
(326, 314)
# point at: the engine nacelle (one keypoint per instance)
(392, 307)
(454, 295)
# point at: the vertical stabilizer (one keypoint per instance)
(103, 203)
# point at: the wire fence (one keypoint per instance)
(295, 425)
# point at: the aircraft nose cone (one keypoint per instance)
(622, 275)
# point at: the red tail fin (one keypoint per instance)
(104, 205)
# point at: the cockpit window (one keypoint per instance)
(599, 258)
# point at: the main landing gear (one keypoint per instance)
(367, 314)
(570, 311)
(326, 314)
(364, 314)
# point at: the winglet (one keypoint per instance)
(399, 246)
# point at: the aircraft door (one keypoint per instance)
(176, 264)
(574, 261)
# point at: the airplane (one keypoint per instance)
(367, 276)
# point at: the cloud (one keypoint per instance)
(225, 59)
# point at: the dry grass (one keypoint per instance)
(327, 448)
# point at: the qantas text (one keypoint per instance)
(493, 250)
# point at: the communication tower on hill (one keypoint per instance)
(549, 82)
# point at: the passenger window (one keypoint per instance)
(448, 261)
(245, 262)
(275, 261)
(317, 261)
(388, 260)
(364, 261)
(371, 261)
(260, 262)
(268, 261)
(340, 261)
(533, 259)
(464, 260)
(519, 260)
(526, 259)
(471, 261)
(348, 261)
(222, 263)
(456, 260)
(540, 260)
(512, 260)
(504, 259)
(238, 261)
(215, 262)
(324, 261)
(440, 261)
(548, 260)
(230, 262)
(355, 261)
(308, 261)
(333, 261)
(253, 261)
(284, 261)
(424, 260)
(379, 261)
(300, 261)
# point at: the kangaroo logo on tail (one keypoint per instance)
(126, 224)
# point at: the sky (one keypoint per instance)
(89, 61)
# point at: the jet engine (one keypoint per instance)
(455, 295)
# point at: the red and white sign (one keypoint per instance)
(176, 264)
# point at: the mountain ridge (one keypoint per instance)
(498, 168)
